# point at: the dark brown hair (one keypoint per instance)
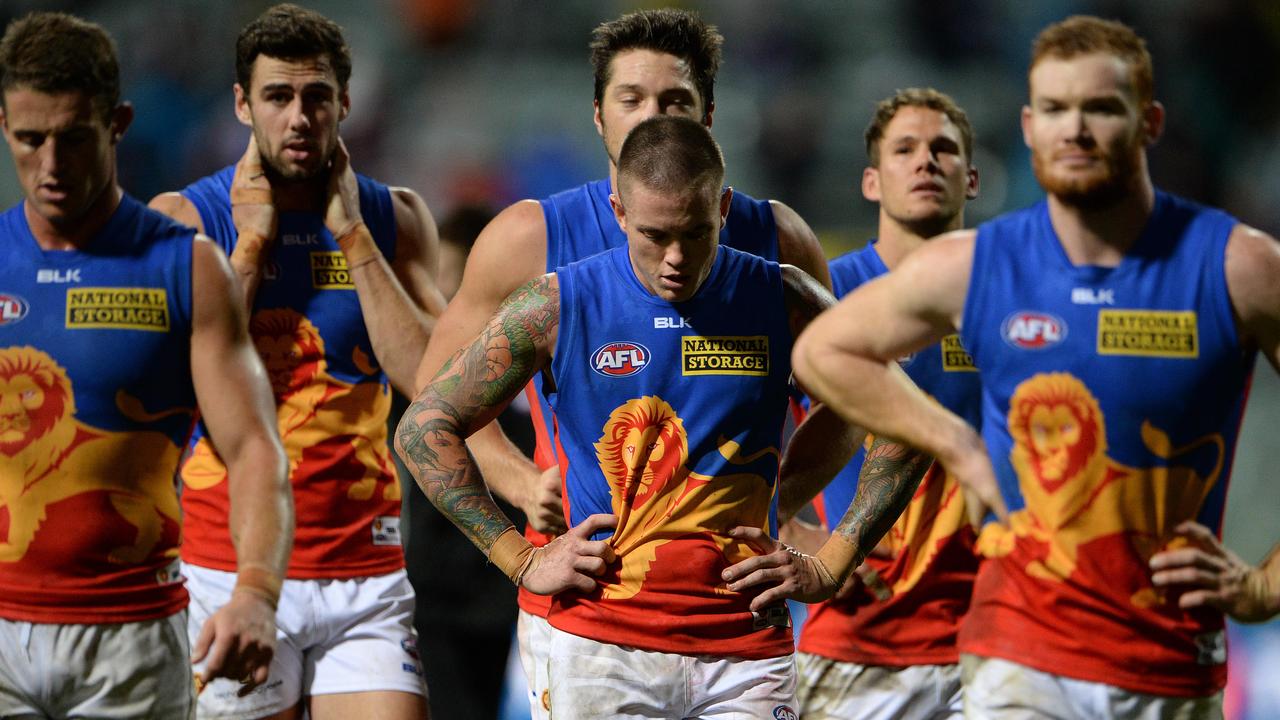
(676, 32)
(289, 32)
(57, 53)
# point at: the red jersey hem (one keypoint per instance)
(887, 660)
(1050, 661)
(757, 646)
(318, 572)
(92, 616)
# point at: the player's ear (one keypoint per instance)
(243, 112)
(121, 118)
(1152, 122)
(619, 211)
(871, 184)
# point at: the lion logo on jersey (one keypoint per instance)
(36, 407)
(46, 455)
(642, 453)
(1075, 493)
(312, 407)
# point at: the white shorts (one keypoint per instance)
(996, 689)
(833, 690)
(590, 680)
(332, 636)
(124, 670)
(533, 634)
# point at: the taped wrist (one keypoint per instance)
(259, 579)
(247, 256)
(250, 196)
(512, 554)
(837, 558)
(358, 246)
(1263, 600)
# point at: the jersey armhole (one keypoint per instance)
(969, 320)
(567, 335)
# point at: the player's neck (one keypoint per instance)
(895, 240)
(300, 195)
(1102, 236)
(74, 235)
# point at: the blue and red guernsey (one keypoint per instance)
(1112, 399)
(332, 398)
(912, 616)
(580, 223)
(96, 404)
(670, 416)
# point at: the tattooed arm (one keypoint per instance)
(889, 477)
(466, 394)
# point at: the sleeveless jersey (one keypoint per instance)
(332, 399)
(670, 416)
(96, 404)
(580, 223)
(912, 617)
(1112, 399)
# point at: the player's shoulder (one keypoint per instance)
(177, 207)
(1252, 265)
(411, 211)
(798, 243)
(510, 251)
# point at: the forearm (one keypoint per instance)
(432, 445)
(397, 329)
(820, 447)
(877, 395)
(261, 519)
(890, 475)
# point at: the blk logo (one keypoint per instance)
(661, 323)
(620, 359)
(12, 309)
(1093, 296)
(54, 275)
(1033, 331)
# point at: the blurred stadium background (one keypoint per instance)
(490, 100)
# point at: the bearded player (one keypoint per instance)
(1114, 326)
(338, 277)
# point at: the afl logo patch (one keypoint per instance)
(12, 309)
(1033, 331)
(619, 359)
(782, 712)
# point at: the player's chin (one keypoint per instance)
(298, 172)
